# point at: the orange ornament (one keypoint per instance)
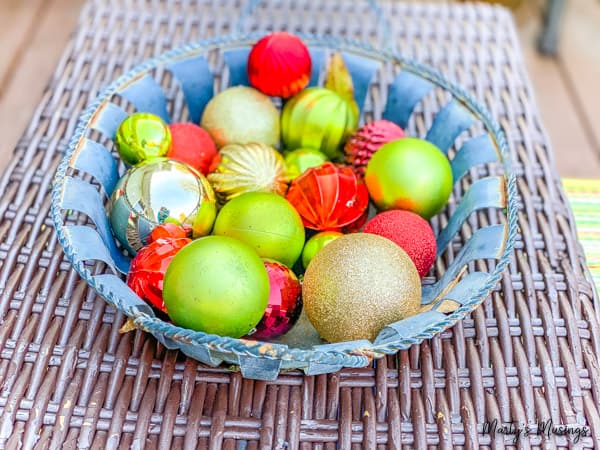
(329, 197)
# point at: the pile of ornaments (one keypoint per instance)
(217, 218)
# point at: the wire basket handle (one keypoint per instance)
(385, 43)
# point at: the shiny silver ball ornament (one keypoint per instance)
(160, 191)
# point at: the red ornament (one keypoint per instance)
(192, 145)
(411, 232)
(169, 230)
(285, 302)
(148, 269)
(328, 197)
(367, 140)
(279, 65)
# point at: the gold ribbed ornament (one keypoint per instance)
(357, 284)
(248, 168)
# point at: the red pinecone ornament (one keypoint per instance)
(367, 140)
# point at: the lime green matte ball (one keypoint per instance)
(410, 174)
(299, 160)
(217, 285)
(316, 243)
(142, 136)
(265, 221)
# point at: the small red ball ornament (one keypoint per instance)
(279, 65)
(192, 145)
(411, 232)
(328, 197)
(367, 140)
(148, 268)
(285, 302)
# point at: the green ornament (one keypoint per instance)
(142, 136)
(265, 221)
(297, 161)
(320, 119)
(410, 174)
(241, 115)
(316, 243)
(216, 285)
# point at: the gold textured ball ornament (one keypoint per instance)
(248, 168)
(358, 284)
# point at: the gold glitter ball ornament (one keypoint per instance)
(357, 284)
(248, 168)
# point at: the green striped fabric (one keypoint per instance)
(584, 196)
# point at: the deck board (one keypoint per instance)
(37, 61)
(33, 34)
(17, 23)
(580, 62)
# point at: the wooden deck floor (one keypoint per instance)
(33, 34)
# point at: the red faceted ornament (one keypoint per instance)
(148, 269)
(279, 65)
(169, 230)
(367, 140)
(192, 145)
(329, 197)
(285, 302)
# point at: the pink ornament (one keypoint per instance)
(367, 140)
(148, 268)
(328, 197)
(285, 302)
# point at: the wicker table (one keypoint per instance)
(528, 354)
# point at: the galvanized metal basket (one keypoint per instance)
(475, 233)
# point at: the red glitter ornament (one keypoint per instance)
(411, 232)
(192, 145)
(328, 197)
(367, 140)
(148, 269)
(279, 65)
(285, 302)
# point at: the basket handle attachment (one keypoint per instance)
(386, 40)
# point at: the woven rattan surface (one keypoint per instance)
(528, 354)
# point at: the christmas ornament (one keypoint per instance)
(318, 118)
(160, 191)
(411, 232)
(248, 168)
(357, 284)
(285, 303)
(169, 230)
(192, 145)
(316, 243)
(410, 174)
(241, 115)
(265, 221)
(279, 65)
(298, 161)
(148, 268)
(328, 197)
(367, 140)
(142, 136)
(216, 285)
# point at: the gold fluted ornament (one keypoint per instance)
(357, 284)
(248, 168)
